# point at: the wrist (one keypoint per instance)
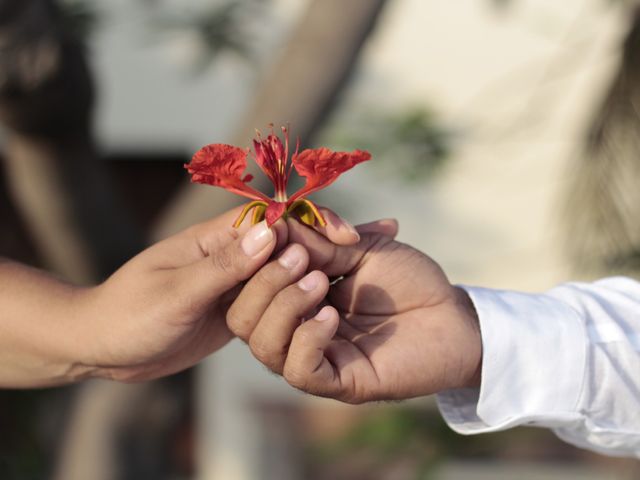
(72, 342)
(472, 343)
(41, 331)
(85, 358)
(66, 344)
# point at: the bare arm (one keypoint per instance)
(161, 312)
(40, 320)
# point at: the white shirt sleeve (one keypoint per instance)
(567, 359)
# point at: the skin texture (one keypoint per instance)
(391, 327)
(161, 312)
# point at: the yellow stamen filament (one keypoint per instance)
(247, 208)
(312, 207)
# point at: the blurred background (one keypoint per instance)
(505, 137)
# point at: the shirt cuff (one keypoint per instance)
(534, 355)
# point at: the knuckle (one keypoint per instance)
(295, 378)
(235, 322)
(267, 279)
(224, 262)
(328, 259)
(351, 398)
(350, 392)
(304, 337)
(261, 350)
(288, 300)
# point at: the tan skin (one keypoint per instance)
(161, 312)
(402, 330)
(392, 327)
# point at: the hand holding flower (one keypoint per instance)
(390, 327)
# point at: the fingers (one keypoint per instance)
(262, 288)
(341, 232)
(385, 226)
(338, 230)
(332, 259)
(282, 235)
(224, 267)
(269, 341)
(306, 366)
(191, 245)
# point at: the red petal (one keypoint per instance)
(275, 210)
(321, 167)
(271, 157)
(223, 166)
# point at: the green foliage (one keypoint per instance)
(411, 144)
(391, 430)
(502, 3)
(418, 437)
(220, 28)
(78, 17)
(397, 435)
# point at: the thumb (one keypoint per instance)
(227, 266)
(332, 259)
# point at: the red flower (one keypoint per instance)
(224, 166)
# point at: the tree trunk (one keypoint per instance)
(59, 184)
(603, 207)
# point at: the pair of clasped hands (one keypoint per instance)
(341, 312)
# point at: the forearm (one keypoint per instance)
(566, 359)
(41, 329)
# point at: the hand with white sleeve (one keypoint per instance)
(392, 327)
(383, 322)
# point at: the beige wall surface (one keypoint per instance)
(521, 86)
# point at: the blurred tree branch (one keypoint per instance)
(218, 28)
(413, 144)
(301, 88)
(57, 180)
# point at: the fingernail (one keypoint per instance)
(323, 315)
(309, 282)
(256, 239)
(290, 258)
